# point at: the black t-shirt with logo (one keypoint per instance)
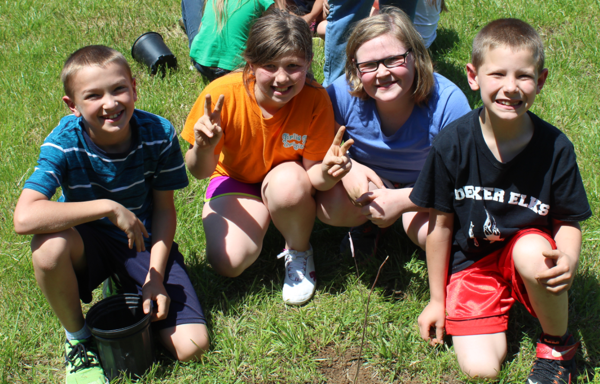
(491, 200)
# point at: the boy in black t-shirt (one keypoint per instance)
(506, 197)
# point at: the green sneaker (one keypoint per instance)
(83, 366)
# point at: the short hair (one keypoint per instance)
(395, 22)
(278, 33)
(513, 33)
(92, 55)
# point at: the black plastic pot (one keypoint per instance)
(123, 335)
(150, 49)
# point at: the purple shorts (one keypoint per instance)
(106, 256)
(227, 186)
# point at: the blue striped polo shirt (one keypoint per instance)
(70, 159)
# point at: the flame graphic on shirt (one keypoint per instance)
(490, 230)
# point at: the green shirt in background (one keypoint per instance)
(224, 49)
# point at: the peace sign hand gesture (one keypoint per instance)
(207, 130)
(336, 163)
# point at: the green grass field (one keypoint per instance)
(255, 337)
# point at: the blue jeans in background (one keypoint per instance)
(191, 13)
(343, 14)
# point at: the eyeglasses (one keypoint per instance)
(388, 62)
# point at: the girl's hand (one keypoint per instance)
(207, 130)
(129, 223)
(336, 163)
(431, 323)
(559, 278)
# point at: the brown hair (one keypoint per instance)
(92, 55)
(278, 33)
(513, 33)
(395, 22)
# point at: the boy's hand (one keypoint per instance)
(207, 130)
(336, 163)
(431, 323)
(559, 278)
(154, 290)
(381, 206)
(129, 223)
(359, 181)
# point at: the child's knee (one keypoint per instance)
(334, 207)
(475, 369)
(288, 185)
(416, 226)
(187, 342)
(47, 250)
(232, 263)
(480, 365)
(528, 257)
(480, 356)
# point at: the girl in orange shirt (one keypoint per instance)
(265, 143)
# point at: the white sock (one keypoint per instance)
(82, 334)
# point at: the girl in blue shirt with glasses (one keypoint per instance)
(393, 105)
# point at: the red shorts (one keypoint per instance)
(479, 297)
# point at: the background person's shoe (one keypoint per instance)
(83, 366)
(554, 363)
(364, 239)
(300, 277)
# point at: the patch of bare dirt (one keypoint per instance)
(342, 369)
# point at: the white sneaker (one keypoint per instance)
(300, 277)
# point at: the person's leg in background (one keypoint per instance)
(191, 13)
(408, 6)
(342, 15)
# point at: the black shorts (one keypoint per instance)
(106, 257)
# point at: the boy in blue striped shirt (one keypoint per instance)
(117, 167)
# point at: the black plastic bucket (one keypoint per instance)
(123, 335)
(150, 49)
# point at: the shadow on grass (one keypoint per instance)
(265, 276)
(441, 54)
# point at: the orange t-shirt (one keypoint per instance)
(251, 144)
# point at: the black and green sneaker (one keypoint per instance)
(112, 286)
(83, 366)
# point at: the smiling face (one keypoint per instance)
(508, 82)
(105, 98)
(279, 81)
(387, 84)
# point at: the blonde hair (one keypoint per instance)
(274, 35)
(513, 33)
(220, 9)
(92, 55)
(394, 22)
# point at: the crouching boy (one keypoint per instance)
(506, 198)
(117, 167)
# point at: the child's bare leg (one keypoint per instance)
(321, 28)
(56, 257)
(480, 355)
(288, 195)
(335, 208)
(416, 225)
(186, 341)
(235, 227)
(551, 309)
